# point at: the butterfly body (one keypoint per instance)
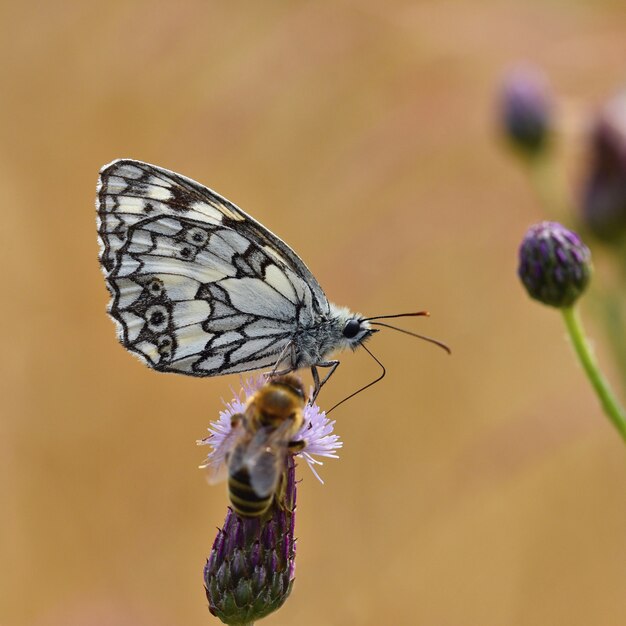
(201, 288)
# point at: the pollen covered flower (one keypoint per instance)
(554, 264)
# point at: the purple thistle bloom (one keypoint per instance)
(251, 568)
(554, 264)
(604, 194)
(316, 431)
(526, 110)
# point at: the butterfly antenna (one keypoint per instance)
(384, 371)
(388, 317)
(442, 345)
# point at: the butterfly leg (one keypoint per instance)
(281, 357)
(317, 384)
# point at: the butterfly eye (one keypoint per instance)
(351, 329)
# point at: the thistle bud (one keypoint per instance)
(604, 193)
(526, 110)
(250, 571)
(554, 264)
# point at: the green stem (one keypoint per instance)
(551, 188)
(609, 402)
(614, 313)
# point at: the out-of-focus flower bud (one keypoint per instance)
(554, 264)
(604, 193)
(526, 110)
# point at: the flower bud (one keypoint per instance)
(526, 110)
(604, 194)
(250, 571)
(554, 264)
(251, 568)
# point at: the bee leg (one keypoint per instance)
(317, 384)
(274, 373)
(296, 446)
(235, 420)
(280, 495)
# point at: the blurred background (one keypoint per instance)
(482, 488)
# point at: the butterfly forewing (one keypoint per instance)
(198, 286)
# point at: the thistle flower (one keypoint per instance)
(250, 570)
(555, 267)
(526, 110)
(554, 264)
(604, 193)
(316, 431)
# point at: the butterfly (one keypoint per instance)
(199, 287)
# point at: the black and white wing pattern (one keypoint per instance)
(198, 286)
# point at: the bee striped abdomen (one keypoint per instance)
(245, 501)
(266, 429)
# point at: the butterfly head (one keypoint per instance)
(356, 330)
(351, 328)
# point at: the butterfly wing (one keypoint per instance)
(198, 286)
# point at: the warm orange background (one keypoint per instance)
(480, 489)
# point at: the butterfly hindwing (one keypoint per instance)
(198, 286)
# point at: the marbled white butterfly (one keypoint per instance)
(201, 288)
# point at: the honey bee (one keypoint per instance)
(261, 437)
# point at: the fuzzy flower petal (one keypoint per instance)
(221, 428)
(316, 431)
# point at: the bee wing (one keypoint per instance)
(267, 472)
(216, 463)
(216, 474)
(265, 459)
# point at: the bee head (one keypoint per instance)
(280, 399)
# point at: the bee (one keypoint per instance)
(261, 437)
